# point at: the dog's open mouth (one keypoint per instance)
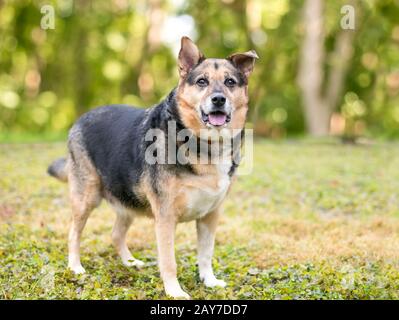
(215, 118)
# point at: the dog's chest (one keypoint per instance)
(204, 194)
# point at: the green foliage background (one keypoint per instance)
(103, 52)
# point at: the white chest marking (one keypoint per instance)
(202, 201)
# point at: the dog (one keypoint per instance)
(107, 159)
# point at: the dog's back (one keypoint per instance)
(111, 138)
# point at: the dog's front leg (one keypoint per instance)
(165, 225)
(206, 229)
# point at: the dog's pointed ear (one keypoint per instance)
(244, 61)
(189, 56)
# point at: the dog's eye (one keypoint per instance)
(202, 82)
(230, 82)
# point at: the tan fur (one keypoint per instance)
(188, 112)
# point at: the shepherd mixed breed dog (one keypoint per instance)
(107, 159)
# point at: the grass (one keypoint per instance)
(313, 221)
(25, 137)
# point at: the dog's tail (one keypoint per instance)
(58, 169)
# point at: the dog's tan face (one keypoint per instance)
(213, 93)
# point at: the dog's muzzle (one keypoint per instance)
(219, 113)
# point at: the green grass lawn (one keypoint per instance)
(315, 220)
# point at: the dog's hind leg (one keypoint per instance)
(85, 195)
(82, 204)
(123, 221)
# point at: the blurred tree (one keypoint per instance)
(319, 105)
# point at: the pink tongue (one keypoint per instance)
(217, 119)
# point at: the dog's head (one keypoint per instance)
(213, 93)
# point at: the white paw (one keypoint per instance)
(78, 269)
(213, 282)
(177, 293)
(133, 263)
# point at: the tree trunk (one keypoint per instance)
(311, 75)
(318, 107)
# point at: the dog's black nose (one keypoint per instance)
(218, 100)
